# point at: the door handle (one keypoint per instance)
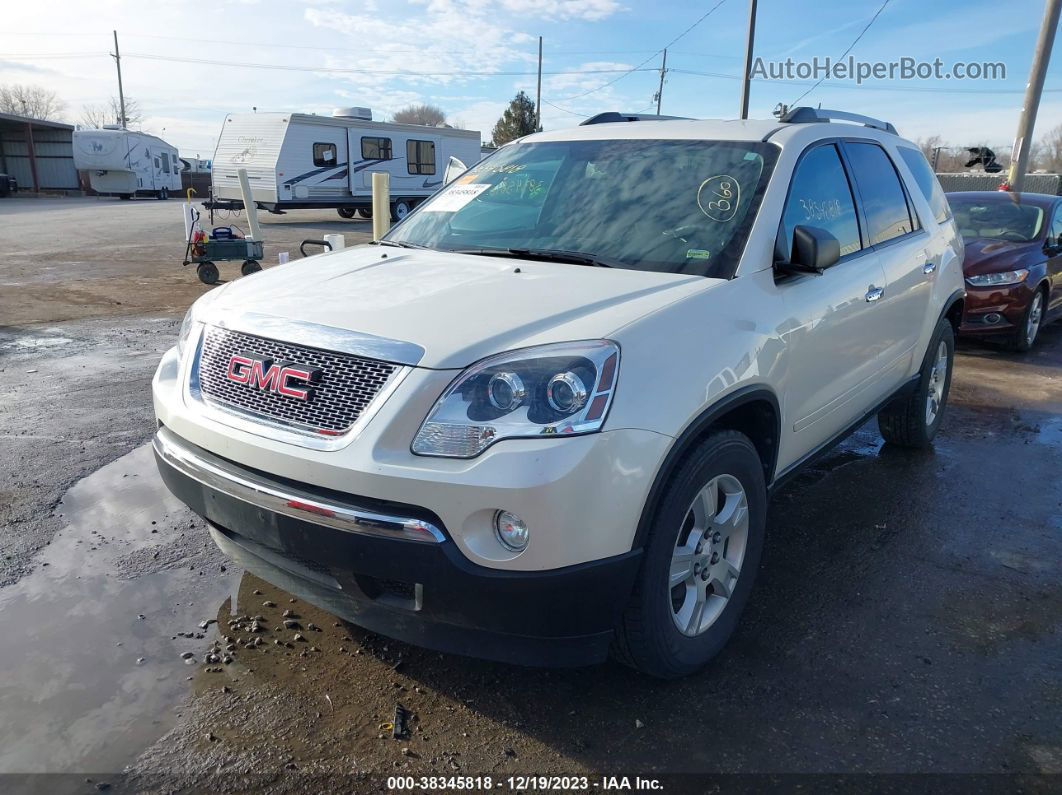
(929, 267)
(874, 294)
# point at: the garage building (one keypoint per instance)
(38, 153)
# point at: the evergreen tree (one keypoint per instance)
(517, 121)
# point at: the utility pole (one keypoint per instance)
(121, 95)
(1023, 142)
(749, 45)
(660, 92)
(538, 97)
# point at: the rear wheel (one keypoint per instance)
(250, 266)
(913, 420)
(207, 272)
(700, 560)
(400, 209)
(365, 213)
(125, 196)
(345, 212)
(163, 194)
(1031, 321)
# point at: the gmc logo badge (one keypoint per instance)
(281, 378)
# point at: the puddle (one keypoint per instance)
(1050, 432)
(91, 670)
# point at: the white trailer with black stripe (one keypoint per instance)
(305, 161)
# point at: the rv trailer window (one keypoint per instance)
(376, 148)
(420, 157)
(165, 161)
(324, 154)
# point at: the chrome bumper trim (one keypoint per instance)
(225, 477)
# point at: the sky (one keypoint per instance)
(190, 63)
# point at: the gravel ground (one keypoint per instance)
(906, 620)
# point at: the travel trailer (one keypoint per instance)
(127, 163)
(300, 161)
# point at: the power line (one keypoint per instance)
(638, 68)
(339, 70)
(850, 46)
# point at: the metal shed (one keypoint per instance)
(38, 153)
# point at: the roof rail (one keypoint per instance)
(803, 115)
(613, 116)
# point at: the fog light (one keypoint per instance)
(510, 530)
(992, 318)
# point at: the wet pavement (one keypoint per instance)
(907, 619)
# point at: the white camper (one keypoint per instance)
(299, 161)
(127, 163)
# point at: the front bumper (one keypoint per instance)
(994, 310)
(394, 569)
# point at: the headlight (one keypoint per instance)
(550, 390)
(997, 279)
(186, 332)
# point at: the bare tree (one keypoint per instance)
(32, 101)
(110, 113)
(1050, 150)
(428, 115)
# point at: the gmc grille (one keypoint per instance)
(347, 386)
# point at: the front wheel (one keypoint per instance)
(1031, 321)
(345, 212)
(700, 560)
(365, 213)
(250, 266)
(913, 420)
(207, 272)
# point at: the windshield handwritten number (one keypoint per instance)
(719, 197)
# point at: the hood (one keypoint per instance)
(458, 308)
(986, 255)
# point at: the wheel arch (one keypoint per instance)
(753, 410)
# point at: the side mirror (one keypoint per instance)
(814, 250)
(454, 169)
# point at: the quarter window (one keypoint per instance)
(420, 157)
(324, 154)
(376, 148)
(927, 183)
(1055, 232)
(884, 201)
(820, 196)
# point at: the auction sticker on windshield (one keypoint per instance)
(454, 198)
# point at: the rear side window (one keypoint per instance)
(927, 183)
(324, 154)
(376, 148)
(884, 201)
(820, 196)
(420, 157)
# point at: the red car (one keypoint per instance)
(1013, 264)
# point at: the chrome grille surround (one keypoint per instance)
(350, 389)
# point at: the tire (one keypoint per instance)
(400, 209)
(649, 637)
(207, 272)
(912, 421)
(365, 213)
(1031, 323)
(165, 194)
(250, 266)
(125, 196)
(345, 212)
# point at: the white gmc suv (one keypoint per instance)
(542, 419)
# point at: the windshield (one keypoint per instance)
(672, 206)
(1002, 219)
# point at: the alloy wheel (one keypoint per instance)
(1036, 311)
(709, 551)
(938, 376)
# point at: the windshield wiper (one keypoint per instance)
(397, 243)
(542, 254)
